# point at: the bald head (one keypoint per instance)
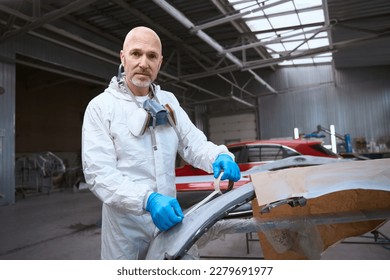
(142, 32)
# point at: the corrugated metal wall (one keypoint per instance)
(356, 101)
(7, 125)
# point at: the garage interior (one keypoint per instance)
(242, 70)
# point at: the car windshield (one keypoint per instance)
(320, 148)
(258, 153)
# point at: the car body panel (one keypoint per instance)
(174, 244)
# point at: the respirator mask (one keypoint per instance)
(151, 114)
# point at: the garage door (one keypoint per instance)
(229, 129)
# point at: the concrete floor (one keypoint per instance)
(65, 226)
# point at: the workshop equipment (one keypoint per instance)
(346, 139)
(38, 172)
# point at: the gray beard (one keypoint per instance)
(138, 83)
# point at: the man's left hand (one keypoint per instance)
(229, 167)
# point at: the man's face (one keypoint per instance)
(141, 58)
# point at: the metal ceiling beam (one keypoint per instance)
(272, 61)
(288, 28)
(277, 40)
(260, 80)
(90, 28)
(60, 72)
(189, 25)
(225, 70)
(235, 98)
(316, 51)
(236, 16)
(61, 32)
(191, 85)
(385, 14)
(243, 29)
(232, 83)
(221, 70)
(50, 16)
(313, 8)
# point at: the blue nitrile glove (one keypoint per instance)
(165, 211)
(229, 167)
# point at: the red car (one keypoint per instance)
(252, 153)
(192, 184)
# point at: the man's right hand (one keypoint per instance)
(165, 211)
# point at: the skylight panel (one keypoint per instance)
(276, 47)
(292, 45)
(288, 6)
(307, 60)
(286, 63)
(284, 21)
(325, 59)
(244, 6)
(266, 36)
(302, 4)
(311, 17)
(259, 24)
(284, 31)
(316, 43)
(300, 37)
(329, 54)
(322, 35)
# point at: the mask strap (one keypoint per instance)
(153, 92)
(120, 73)
(153, 134)
(172, 122)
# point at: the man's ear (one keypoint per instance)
(161, 61)
(122, 57)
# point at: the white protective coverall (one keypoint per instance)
(123, 170)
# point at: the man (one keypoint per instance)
(129, 161)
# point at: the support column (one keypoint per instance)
(7, 125)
